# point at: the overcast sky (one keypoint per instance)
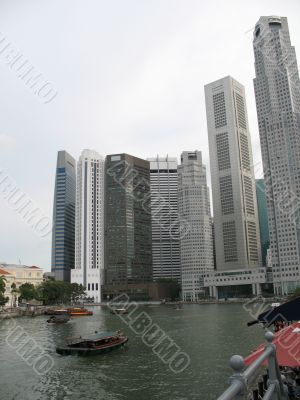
(129, 76)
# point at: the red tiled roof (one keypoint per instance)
(3, 272)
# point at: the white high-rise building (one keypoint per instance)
(164, 218)
(196, 234)
(89, 224)
(237, 238)
(277, 92)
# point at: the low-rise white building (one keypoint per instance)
(225, 283)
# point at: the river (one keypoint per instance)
(208, 334)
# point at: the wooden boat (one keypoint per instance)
(95, 344)
(79, 312)
(58, 319)
(119, 311)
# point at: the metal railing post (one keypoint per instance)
(237, 364)
(238, 387)
(274, 373)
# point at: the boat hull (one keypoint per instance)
(80, 314)
(57, 321)
(82, 351)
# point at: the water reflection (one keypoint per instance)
(210, 334)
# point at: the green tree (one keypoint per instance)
(2, 284)
(58, 292)
(295, 293)
(27, 291)
(14, 293)
(3, 299)
(77, 292)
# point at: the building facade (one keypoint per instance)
(63, 233)
(237, 239)
(165, 218)
(236, 283)
(128, 244)
(89, 243)
(263, 219)
(277, 93)
(196, 232)
(19, 275)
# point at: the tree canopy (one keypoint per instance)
(27, 291)
(295, 293)
(3, 299)
(53, 292)
(2, 284)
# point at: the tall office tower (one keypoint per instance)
(165, 218)
(128, 249)
(233, 184)
(63, 233)
(89, 250)
(196, 233)
(263, 219)
(277, 92)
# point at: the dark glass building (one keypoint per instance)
(128, 248)
(263, 218)
(63, 234)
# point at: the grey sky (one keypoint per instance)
(130, 77)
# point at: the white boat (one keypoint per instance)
(119, 311)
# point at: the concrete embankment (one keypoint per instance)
(22, 313)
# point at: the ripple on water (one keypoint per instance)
(208, 334)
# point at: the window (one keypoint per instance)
(226, 195)
(219, 110)
(223, 151)
(229, 240)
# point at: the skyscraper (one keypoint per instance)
(277, 92)
(63, 234)
(233, 184)
(128, 249)
(263, 219)
(165, 218)
(196, 234)
(89, 251)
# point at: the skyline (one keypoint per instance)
(167, 85)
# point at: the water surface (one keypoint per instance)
(209, 334)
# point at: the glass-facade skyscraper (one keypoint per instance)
(263, 219)
(63, 234)
(128, 248)
(165, 218)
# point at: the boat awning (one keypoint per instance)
(289, 311)
(287, 343)
(100, 335)
(94, 337)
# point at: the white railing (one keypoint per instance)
(239, 388)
